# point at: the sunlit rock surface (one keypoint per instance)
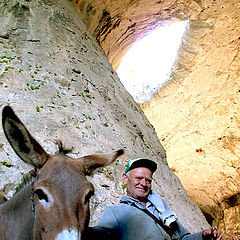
(59, 81)
(196, 116)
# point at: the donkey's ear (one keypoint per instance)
(92, 162)
(25, 146)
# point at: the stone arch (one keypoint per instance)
(60, 83)
(118, 24)
(204, 87)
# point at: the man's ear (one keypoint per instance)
(125, 178)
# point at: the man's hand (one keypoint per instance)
(212, 234)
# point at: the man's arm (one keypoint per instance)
(99, 233)
(207, 234)
(106, 229)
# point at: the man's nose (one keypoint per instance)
(143, 182)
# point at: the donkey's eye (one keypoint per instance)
(41, 195)
(88, 196)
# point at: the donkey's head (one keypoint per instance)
(61, 191)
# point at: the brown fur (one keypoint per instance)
(60, 194)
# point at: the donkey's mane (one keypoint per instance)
(61, 148)
(2, 199)
(32, 175)
(27, 179)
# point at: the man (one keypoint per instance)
(142, 213)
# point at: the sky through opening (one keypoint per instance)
(147, 65)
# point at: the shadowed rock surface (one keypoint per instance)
(59, 82)
(196, 115)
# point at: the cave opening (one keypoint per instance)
(146, 67)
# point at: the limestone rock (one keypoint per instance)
(59, 82)
(196, 115)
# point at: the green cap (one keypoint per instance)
(141, 162)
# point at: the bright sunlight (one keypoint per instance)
(147, 65)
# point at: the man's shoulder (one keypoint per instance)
(122, 210)
(119, 214)
(118, 206)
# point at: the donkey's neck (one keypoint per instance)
(16, 216)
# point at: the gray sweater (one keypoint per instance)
(124, 221)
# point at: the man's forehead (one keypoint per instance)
(141, 171)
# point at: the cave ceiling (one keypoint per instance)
(196, 115)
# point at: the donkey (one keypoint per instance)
(55, 204)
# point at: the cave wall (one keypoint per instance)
(60, 83)
(196, 114)
(199, 121)
(116, 25)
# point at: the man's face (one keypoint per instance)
(138, 181)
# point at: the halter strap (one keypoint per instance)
(32, 197)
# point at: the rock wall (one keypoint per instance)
(118, 24)
(59, 81)
(196, 115)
